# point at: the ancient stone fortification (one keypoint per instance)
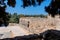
(38, 25)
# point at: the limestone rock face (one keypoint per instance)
(38, 25)
(13, 24)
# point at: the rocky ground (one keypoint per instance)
(12, 31)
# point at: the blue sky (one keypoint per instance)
(28, 10)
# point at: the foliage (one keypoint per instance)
(11, 3)
(41, 15)
(54, 8)
(14, 18)
(4, 17)
(21, 15)
(27, 3)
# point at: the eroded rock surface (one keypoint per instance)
(38, 25)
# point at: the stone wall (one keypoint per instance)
(37, 24)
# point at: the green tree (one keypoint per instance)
(42, 16)
(21, 15)
(4, 16)
(54, 8)
(14, 18)
(27, 3)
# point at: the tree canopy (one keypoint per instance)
(27, 3)
(14, 18)
(54, 8)
(4, 17)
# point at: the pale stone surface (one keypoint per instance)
(5, 33)
(38, 25)
(12, 31)
(13, 24)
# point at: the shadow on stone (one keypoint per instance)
(47, 35)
